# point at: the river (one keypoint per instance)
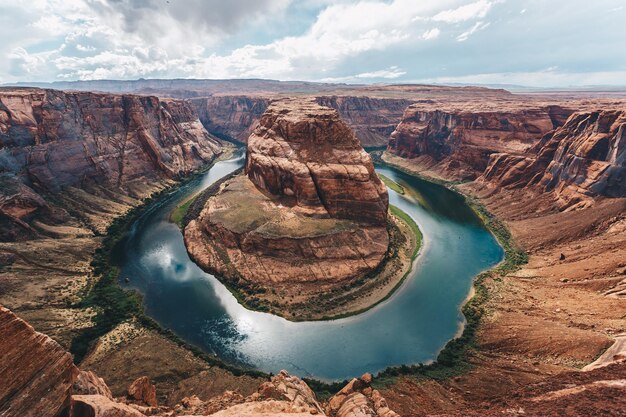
(410, 327)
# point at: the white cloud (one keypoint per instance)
(470, 11)
(477, 26)
(431, 34)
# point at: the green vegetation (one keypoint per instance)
(178, 214)
(391, 184)
(414, 228)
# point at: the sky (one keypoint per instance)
(541, 43)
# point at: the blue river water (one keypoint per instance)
(410, 327)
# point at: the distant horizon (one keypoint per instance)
(597, 87)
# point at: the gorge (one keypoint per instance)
(72, 162)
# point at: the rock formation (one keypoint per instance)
(52, 140)
(234, 117)
(584, 158)
(311, 211)
(304, 151)
(359, 399)
(460, 141)
(36, 373)
(143, 392)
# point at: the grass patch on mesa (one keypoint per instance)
(177, 215)
(391, 184)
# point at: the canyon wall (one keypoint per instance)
(372, 119)
(51, 141)
(584, 158)
(230, 117)
(234, 117)
(460, 142)
(36, 373)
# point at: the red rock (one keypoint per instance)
(586, 157)
(88, 383)
(304, 150)
(144, 391)
(52, 140)
(460, 141)
(358, 399)
(36, 373)
(101, 406)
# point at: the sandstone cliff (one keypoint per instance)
(234, 117)
(372, 119)
(583, 159)
(36, 373)
(51, 141)
(459, 141)
(230, 117)
(303, 150)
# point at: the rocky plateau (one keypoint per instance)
(309, 215)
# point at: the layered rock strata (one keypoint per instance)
(460, 142)
(36, 373)
(584, 158)
(51, 141)
(310, 211)
(372, 119)
(234, 117)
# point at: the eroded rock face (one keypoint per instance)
(231, 117)
(461, 142)
(234, 117)
(52, 140)
(303, 150)
(359, 399)
(36, 373)
(584, 158)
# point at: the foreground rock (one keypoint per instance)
(36, 373)
(359, 399)
(309, 217)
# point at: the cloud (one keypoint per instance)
(477, 26)
(470, 11)
(347, 40)
(431, 34)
